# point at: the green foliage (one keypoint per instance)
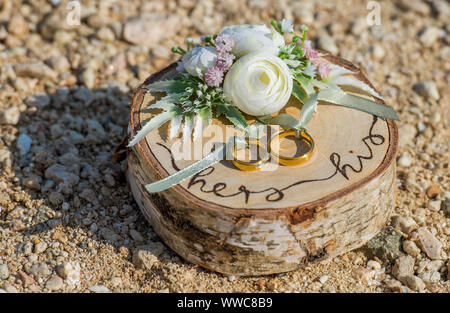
(175, 85)
(232, 114)
(299, 93)
(305, 83)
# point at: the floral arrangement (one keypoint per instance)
(251, 69)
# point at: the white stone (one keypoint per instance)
(4, 272)
(403, 267)
(70, 271)
(415, 283)
(429, 35)
(373, 265)
(323, 279)
(434, 205)
(54, 283)
(99, 289)
(405, 160)
(10, 116)
(411, 248)
(430, 244)
(427, 89)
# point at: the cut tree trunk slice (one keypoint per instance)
(253, 223)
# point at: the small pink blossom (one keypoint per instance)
(310, 53)
(323, 69)
(225, 61)
(213, 76)
(224, 43)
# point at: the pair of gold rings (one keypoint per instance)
(277, 157)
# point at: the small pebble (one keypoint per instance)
(415, 283)
(403, 267)
(54, 283)
(144, 257)
(136, 235)
(410, 248)
(430, 244)
(433, 191)
(427, 89)
(435, 205)
(24, 143)
(323, 279)
(10, 116)
(40, 247)
(429, 35)
(99, 289)
(405, 160)
(4, 272)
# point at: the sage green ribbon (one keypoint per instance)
(330, 95)
(212, 158)
(333, 96)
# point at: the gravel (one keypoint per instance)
(65, 208)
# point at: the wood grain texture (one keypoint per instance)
(252, 223)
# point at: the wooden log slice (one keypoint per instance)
(253, 223)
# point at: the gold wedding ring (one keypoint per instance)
(250, 166)
(292, 161)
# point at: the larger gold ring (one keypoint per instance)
(250, 166)
(292, 161)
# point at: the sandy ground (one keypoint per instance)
(68, 222)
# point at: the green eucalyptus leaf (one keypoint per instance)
(305, 83)
(299, 93)
(232, 113)
(166, 102)
(176, 111)
(175, 85)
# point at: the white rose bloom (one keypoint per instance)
(251, 38)
(259, 83)
(198, 60)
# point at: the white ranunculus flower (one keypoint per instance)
(251, 38)
(259, 83)
(198, 60)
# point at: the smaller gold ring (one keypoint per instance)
(250, 166)
(292, 161)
